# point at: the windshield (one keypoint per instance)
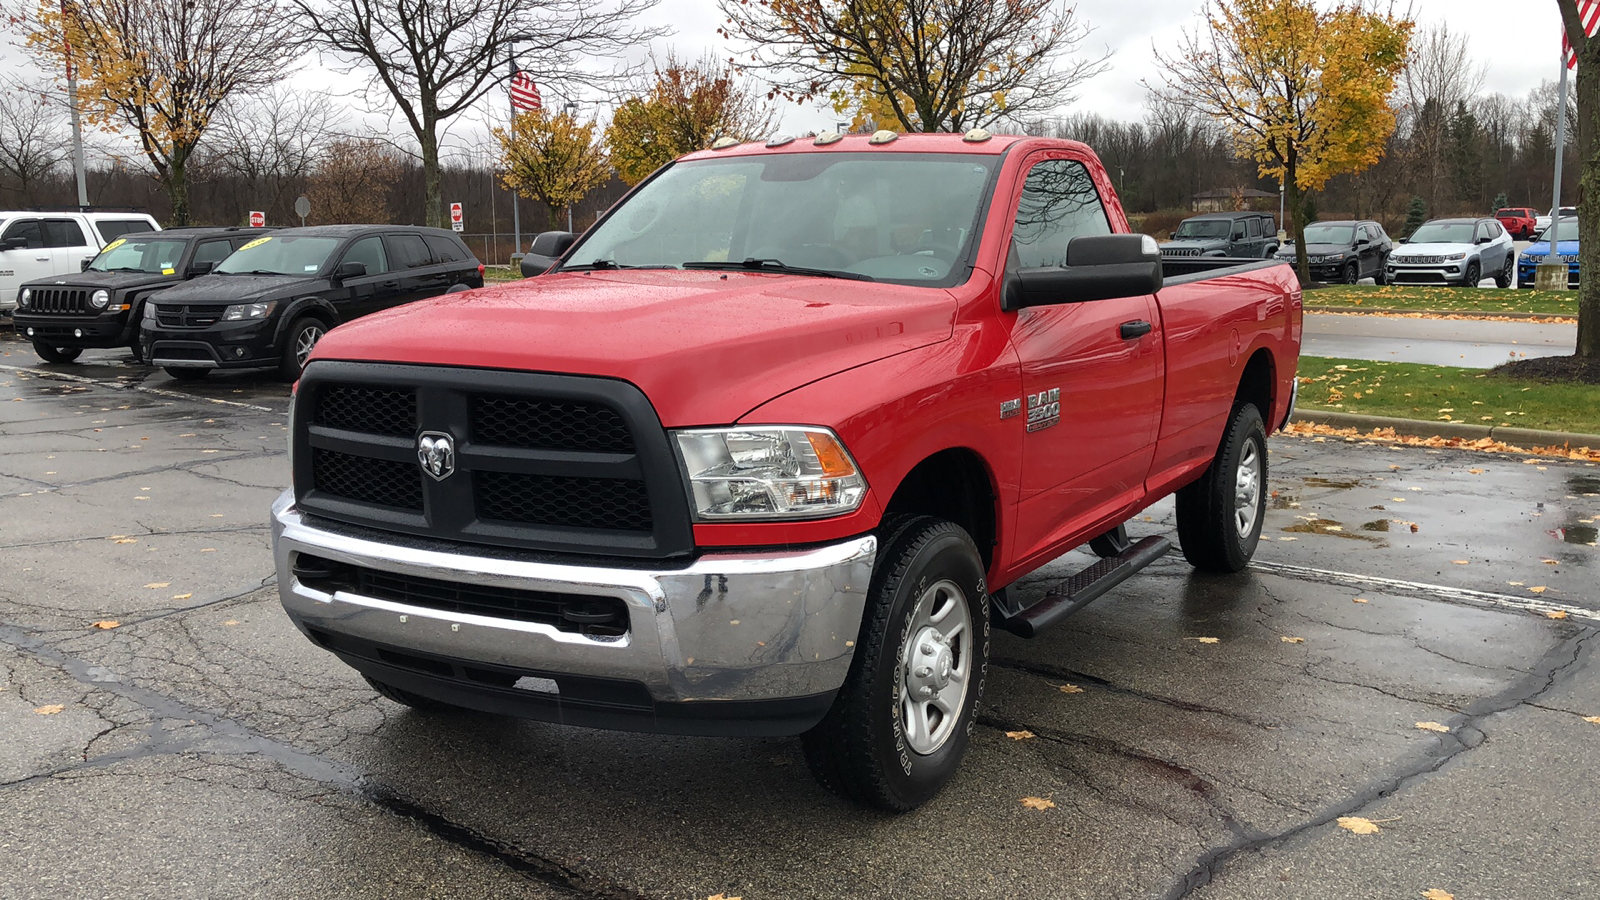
(151, 255)
(1218, 229)
(1568, 228)
(1445, 233)
(898, 217)
(1330, 234)
(279, 255)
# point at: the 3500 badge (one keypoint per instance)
(1044, 409)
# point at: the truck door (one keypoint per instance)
(378, 289)
(24, 256)
(1092, 372)
(69, 248)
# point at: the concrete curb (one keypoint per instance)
(1438, 313)
(1524, 437)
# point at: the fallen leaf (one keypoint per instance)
(723, 897)
(1476, 471)
(1069, 689)
(50, 710)
(107, 624)
(1551, 562)
(1539, 590)
(1558, 614)
(1038, 803)
(1434, 726)
(1358, 825)
(1206, 640)
(1436, 894)
(231, 622)
(1413, 528)
(213, 549)
(182, 596)
(1592, 720)
(159, 584)
(1359, 600)
(1019, 735)
(1292, 640)
(126, 541)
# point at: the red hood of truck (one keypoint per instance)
(705, 347)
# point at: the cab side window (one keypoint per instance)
(1058, 203)
(111, 229)
(63, 233)
(29, 230)
(1255, 228)
(369, 252)
(212, 251)
(444, 250)
(408, 251)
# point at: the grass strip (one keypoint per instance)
(1446, 394)
(500, 274)
(1356, 297)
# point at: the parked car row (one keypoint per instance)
(196, 299)
(1537, 252)
(1345, 252)
(1231, 235)
(38, 244)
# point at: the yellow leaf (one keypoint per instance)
(107, 624)
(231, 622)
(1434, 726)
(182, 596)
(1436, 894)
(1460, 562)
(1019, 735)
(1476, 471)
(1038, 803)
(723, 897)
(1358, 825)
(50, 710)
(159, 584)
(1292, 640)
(126, 541)
(1592, 720)
(1206, 640)
(1557, 614)
(1360, 600)
(1069, 689)
(1539, 590)
(1551, 562)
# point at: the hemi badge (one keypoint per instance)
(1010, 409)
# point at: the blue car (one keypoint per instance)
(1528, 263)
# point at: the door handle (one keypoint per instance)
(1135, 329)
(390, 284)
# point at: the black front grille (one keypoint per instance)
(577, 613)
(549, 425)
(556, 463)
(381, 481)
(58, 301)
(370, 410)
(618, 504)
(189, 315)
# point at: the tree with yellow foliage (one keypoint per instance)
(919, 65)
(554, 159)
(684, 107)
(162, 69)
(1304, 90)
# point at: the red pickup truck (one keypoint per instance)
(762, 452)
(1520, 221)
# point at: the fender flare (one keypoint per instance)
(297, 307)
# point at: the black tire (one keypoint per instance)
(1351, 273)
(864, 748)
(1507, 276)
(1381, 277)
(138, 352)
(406, 698)
(1210, 509)
(301, 337)
(59, 355)
(1473, 276)
(185, 373)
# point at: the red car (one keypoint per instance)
(763, 450)
(1518, 220)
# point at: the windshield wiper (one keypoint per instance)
(606, 265)
(777, 265)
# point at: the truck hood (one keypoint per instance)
(1211, 244)
(1405, 250)
(235, 288)
(705, 347)
(94, 281)
(1568, 248)
(1287, 250)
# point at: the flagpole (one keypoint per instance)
(1561, 153)
(516, 214)
(77, 126)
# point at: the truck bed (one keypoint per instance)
(1184, 270)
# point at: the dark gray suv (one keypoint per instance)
(1237, 235)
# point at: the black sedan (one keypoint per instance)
(1345, 252)
(268, 304)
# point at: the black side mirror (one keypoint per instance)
(546, 250)
(1099, 267)
(1363, 242)
(83, 265)
(195, 270)
(350, 270)
(15, 243)
(1405, 240)
(1483, 240)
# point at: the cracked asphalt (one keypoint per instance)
(203, 748)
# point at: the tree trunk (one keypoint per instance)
(432, 200)
(1296, 207)
(1589, 210)
(178, 187)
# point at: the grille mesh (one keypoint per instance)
(615, 504)
(379, 481)
(55, 300)
(549, 425)
(369, 410)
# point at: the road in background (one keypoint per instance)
(1468, 343)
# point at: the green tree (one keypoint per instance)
(1465, 155)
(1416, 215)
(1588, 92)
(684, 107)
(1501, 201)
(1304, 88)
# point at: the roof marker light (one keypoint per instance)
(778, 140)
(825, 138)
(977, 136)
(882, 137)
(723, 143)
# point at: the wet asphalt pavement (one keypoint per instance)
(1436, 342)
(203, 748)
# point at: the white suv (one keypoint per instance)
(41, 244)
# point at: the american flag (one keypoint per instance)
(525, 94)
(1589, 12)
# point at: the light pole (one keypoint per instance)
(1283, 233)
(572, 108)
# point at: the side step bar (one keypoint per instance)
(1085, 587)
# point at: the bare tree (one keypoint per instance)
(434, 60)
(33, 137)
(928, 65)
(1440, 75)
(352, 180)
(271, 145)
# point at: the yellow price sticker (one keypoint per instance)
(256, 243)
(169, 271)
(114, 245)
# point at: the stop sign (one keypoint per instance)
(455, 216)
(258, 219)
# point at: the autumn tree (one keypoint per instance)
(162, 69)
(551, 158)
(919, 65)
(1588, 95)
(33, 137)
(432, 61)
(351, 182)
(1305, 91)
(681, 108)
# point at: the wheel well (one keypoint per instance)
(953, 485)
(312, 311)
(1257, 383)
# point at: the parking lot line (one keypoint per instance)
(158, 392)
(1425, 590)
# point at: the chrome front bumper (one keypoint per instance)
(753, 626)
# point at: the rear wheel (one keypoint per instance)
(1507, 276)
(1221, 515)
(60, 355)
(302, 339)
(185, 373)
(1381, 277)
(1473, 276)
(901, 724)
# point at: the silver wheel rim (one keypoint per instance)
(937, 668)
(305, 343)
(1247, 490)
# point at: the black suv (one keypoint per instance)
(1345, 252)
(1238, 235)
(101, 306)
(268, 304)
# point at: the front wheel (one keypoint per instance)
(302, 339)
(1381, 277)
(1507, 276)
(60, 355)
(1221, 515)
(1352, 272)
(901, 724)
(1473, 276)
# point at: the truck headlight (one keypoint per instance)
(99, 299)
(1456, 256)
(248, 311)
(769, 472)
(25, 298)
